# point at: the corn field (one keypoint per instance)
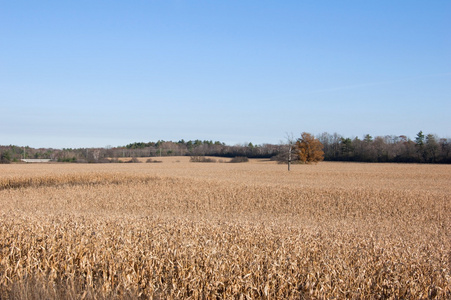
(181, 230)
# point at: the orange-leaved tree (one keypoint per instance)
(309, 149)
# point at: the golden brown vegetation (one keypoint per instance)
(309, 149)
(253, 230)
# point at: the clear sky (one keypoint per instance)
(97, 73)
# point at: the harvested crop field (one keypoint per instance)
(220, 230)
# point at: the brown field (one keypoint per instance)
(217, 230)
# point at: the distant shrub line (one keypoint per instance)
(203, 159)
(425, 148)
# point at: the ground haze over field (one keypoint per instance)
(190, 230)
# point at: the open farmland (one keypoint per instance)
(219, 230)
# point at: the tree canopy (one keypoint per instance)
(309, 149)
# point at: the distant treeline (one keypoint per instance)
(141, 149)
(423, 149)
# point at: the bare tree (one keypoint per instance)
(290, 140)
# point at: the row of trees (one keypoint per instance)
(13, 153)
(423, 149)
(332, 147)
(151, 149)
(197, 148)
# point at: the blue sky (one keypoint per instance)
(97, 73)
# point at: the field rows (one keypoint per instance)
(186, 230)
